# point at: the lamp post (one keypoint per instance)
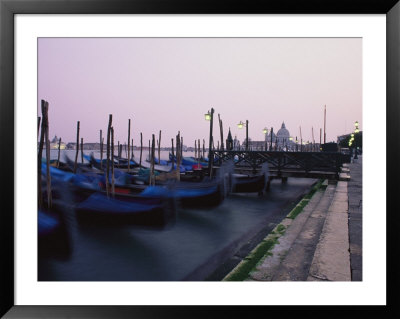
(240, 125)
(355, 132)
(265, 131)
(351, 140)
(290, 143)
(209, 117)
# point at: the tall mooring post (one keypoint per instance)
(247, 135)
(221, 131)
(129, 145)
(108, 155)
(58, 156)
(77, 147)
(141, 149)
(210, 152)
(101, 149)
(272, 133)
(325, 125)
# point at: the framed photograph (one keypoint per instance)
(131, 85)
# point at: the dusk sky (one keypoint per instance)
(169, 83)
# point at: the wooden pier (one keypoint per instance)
(325, 165)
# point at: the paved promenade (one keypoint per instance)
(322, 243)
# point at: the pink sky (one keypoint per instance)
(169, 83)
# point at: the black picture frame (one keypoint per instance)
(8, 8)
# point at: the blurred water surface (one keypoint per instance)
(196, 238)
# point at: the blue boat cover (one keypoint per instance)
(46, 223)
(57, 173)
(194, 192)
(155, 191)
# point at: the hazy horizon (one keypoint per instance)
(168, 84)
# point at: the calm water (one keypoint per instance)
(71, 154)
(188, 249)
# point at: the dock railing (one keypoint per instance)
(280, 163)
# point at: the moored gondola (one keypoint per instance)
(87, 196)
(248, 183)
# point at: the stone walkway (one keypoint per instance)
(324, 242)
(354, 189)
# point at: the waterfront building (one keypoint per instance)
(54, 143)
(282, 137)
(280, 141)
(229, 141)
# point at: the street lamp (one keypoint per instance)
(355, 131)
(209, 117)
(265, 131)
(240, 125)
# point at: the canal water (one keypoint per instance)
(191, 248)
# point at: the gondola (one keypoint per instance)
(102, 164)
(198, 195)
(203, 193)
(163, 168)
(155, 209)
(248, 183)
(159, 162)
(207, 193)
(189, 161)
(86, 194)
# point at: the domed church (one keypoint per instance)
(282, 136)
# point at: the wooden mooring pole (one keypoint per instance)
(82, 150)
(119, 152)
(272, 133)
(58, 157)
(41, 142)
(108, 155)
(112, 163)
(178, 157)
(101, 149)
(325, 124)
(129, 144)
(159, 148)
(77, 147)
(152, 177)
(210, 152)
(141, 149)
(48, 176)
(221, 132)
(38, 125)
(172, 151)
(181, 147)
(149, 151)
